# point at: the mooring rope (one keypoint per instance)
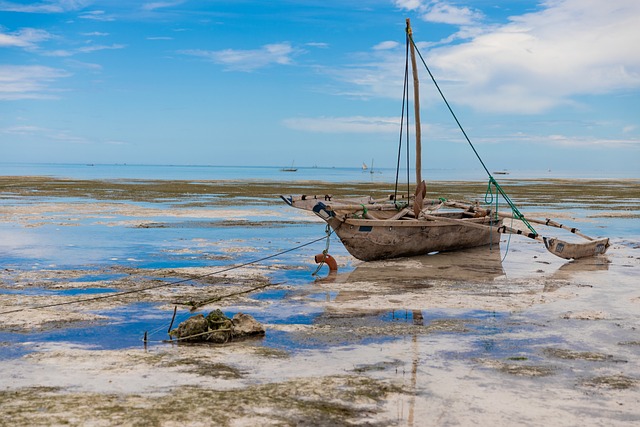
(177, 282)
(328, 232)
(403, 117)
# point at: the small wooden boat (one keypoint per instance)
(372, 229)
(401, 225)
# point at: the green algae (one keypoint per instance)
(633, 343)
(526, 370)
(518, 369)
(613, 382)
(576, 355)
(336, 400)
(601, 194)
(380, 366)
(206, 368)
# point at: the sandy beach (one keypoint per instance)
(490, 336)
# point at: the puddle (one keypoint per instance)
(61, 292)
(273, 294)
(124, 328)
(98, 277)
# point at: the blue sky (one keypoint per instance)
(537, 84)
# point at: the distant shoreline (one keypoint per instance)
(274, 173)
(561, 193)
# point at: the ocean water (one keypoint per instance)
(270, 173)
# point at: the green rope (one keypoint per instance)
(516, 213)
(364, 212)
(508, 243)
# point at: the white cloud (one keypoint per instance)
(248, 60)
(442, 12)
(97, 15)
(531, 64)
(585, 142)
(408, 4)
(85, 49)
(57, 135)
(541, 60)
(95, 34)
(28, 81)
(356, 124)
(161, 4)
(386, 45)
(51, 6)
(24, 38)
(95, 48)
(84, 65)
(380, 76)
(318, 44)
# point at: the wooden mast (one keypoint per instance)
(416, 105)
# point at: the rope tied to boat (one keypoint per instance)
(364, 212)
(172, 283)
(489, 198)
(325, 252)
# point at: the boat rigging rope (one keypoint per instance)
(492, 180)
(177, 282)
(405, 103)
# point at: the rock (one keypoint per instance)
(194, 325)
(245, 325)
(217, 328)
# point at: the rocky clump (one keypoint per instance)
(217, 328)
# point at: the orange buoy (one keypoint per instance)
(327, 259)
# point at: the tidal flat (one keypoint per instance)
(490, 336)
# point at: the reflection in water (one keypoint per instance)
(359, 300)
(597, 263)
(413, 274)
(478, 264)
(418, 319)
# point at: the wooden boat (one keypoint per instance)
(372, 230)
(401, 225)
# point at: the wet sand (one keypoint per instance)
(466, 338)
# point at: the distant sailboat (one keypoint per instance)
(364, 166)
(371, 170)
(291, 169)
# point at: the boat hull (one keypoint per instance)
(371, 240)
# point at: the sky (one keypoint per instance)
(536, 85)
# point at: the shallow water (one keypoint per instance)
(450, 328)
